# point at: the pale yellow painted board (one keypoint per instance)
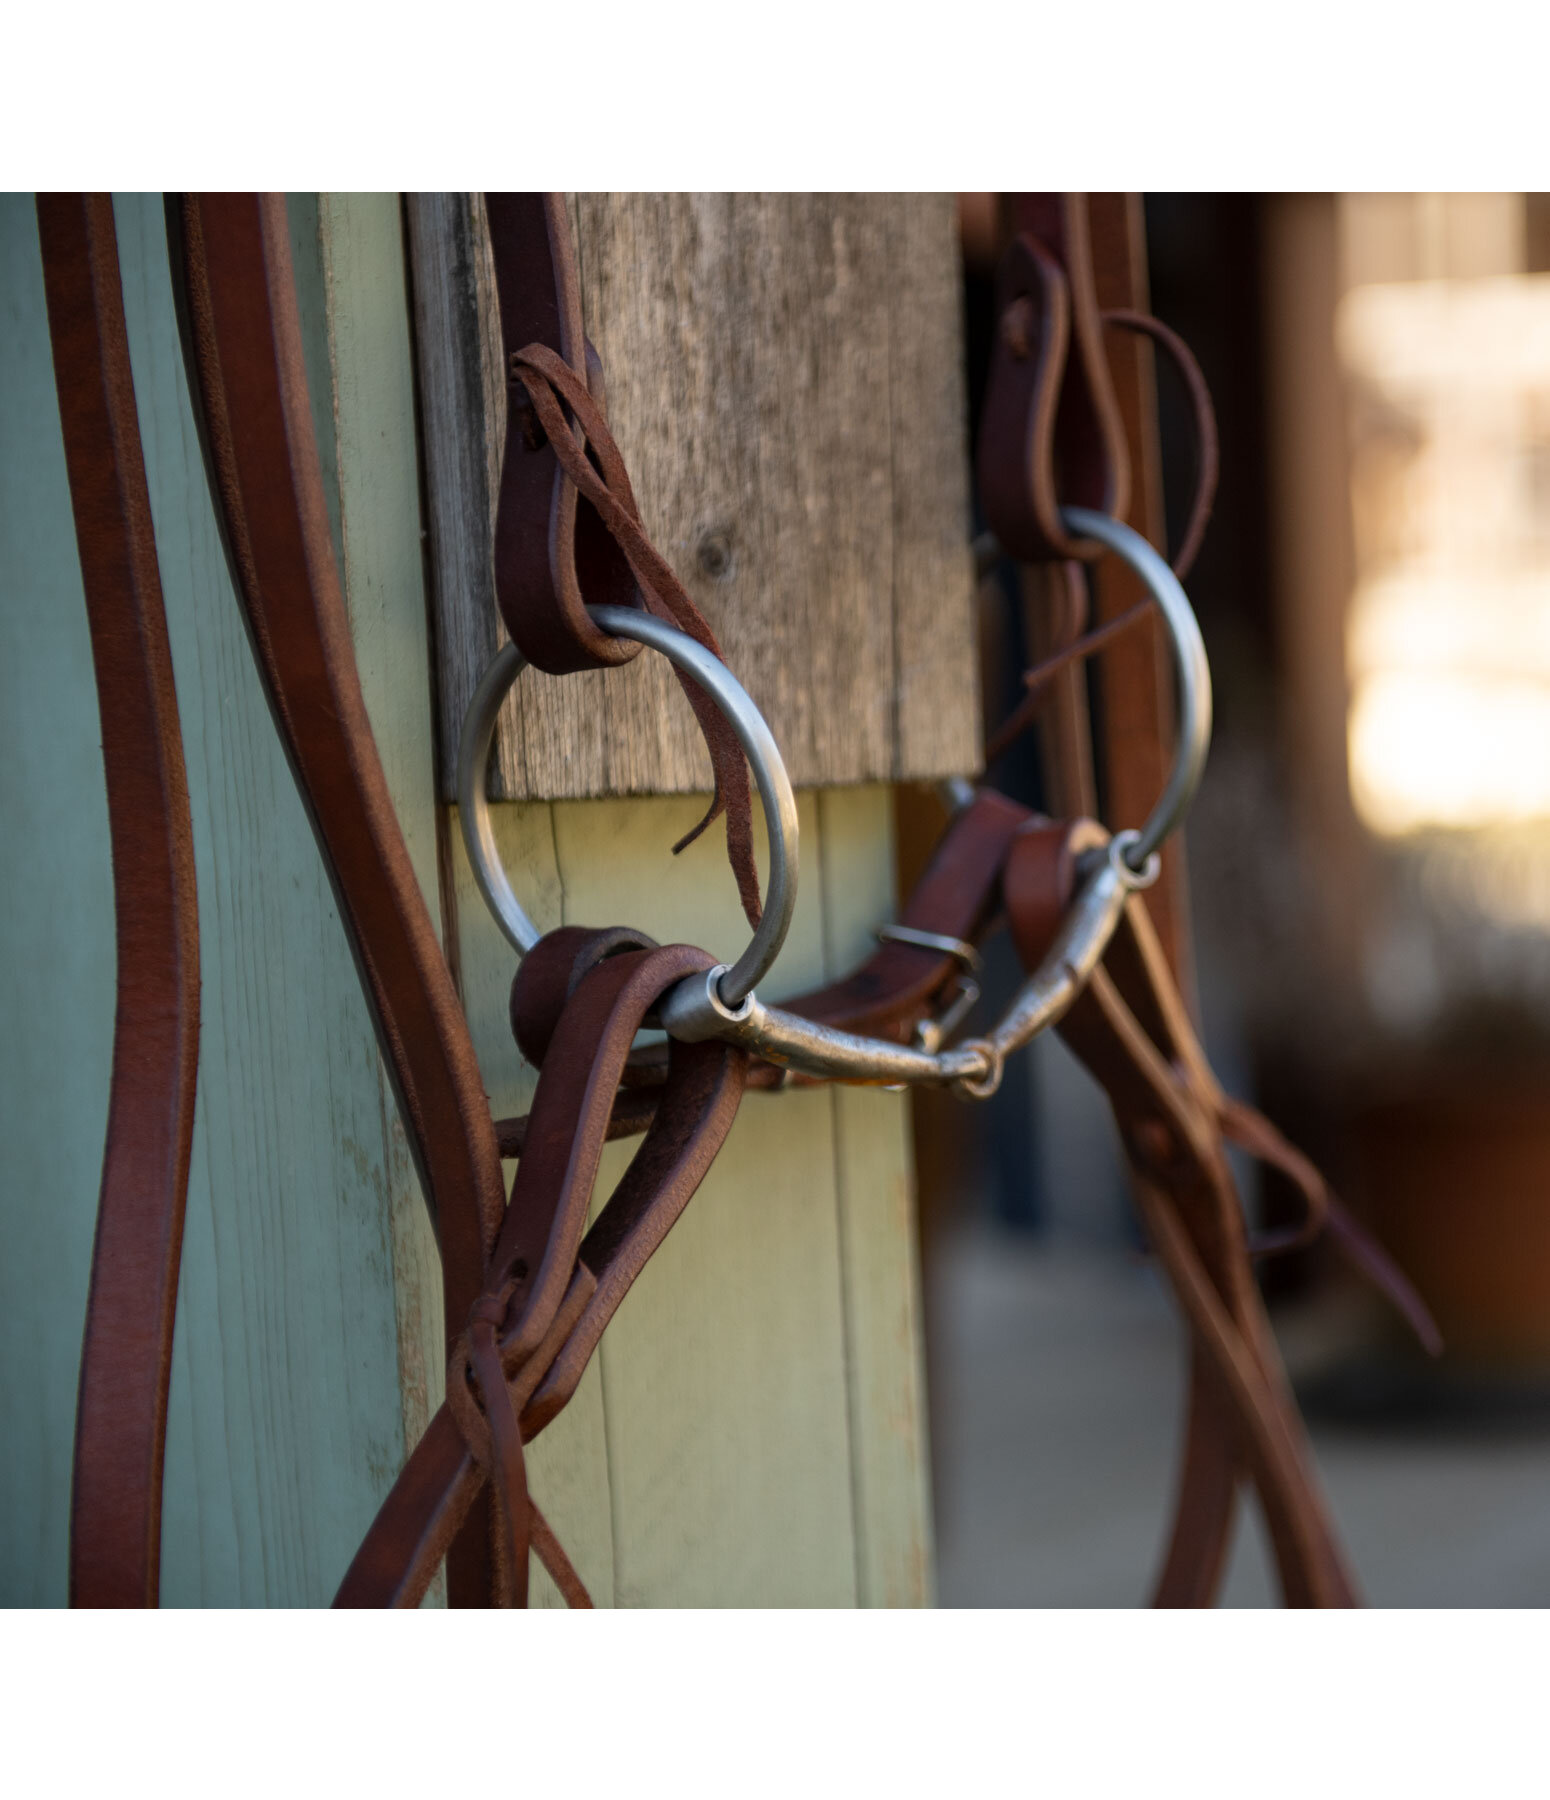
(723, 1373)
(875, 1186)
(761, 1398)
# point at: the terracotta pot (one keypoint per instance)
(1457, 1185)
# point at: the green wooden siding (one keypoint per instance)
(752, 1429)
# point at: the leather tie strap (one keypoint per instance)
(126, 1356)
(552, 1289)
(544, 531)
(559, 518)
(1071, 644)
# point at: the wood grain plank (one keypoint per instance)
(784, 376)
(885, 1369)
(938, 727)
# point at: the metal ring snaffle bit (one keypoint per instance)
(722, 1004)
(756, 738)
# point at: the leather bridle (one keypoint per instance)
(528, 1287)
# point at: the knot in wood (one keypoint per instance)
(714, 553)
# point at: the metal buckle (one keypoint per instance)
(932, 1034)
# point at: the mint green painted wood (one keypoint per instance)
(291, 1359)
(370, 431)
(287, 1413)
(56, 956)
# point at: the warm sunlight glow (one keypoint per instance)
(1433, 749)
(1448, 634)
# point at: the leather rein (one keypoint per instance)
(528, 1286)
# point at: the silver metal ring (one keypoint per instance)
(1189, 659)
(756, 738)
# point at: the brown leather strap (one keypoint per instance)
(562, 524)
(1071, 644)
(1051, 432)
(1208, 454)
(126, 1357)
(1162, 1097)
(244, 347)
(544, 531)
(552, 387)
(955, 898)
(1204, 1502)
(555, 1289)
(551, 972)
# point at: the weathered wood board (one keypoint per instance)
(785, 380)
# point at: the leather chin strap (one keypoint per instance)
(126, 1357)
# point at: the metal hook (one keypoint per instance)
(758, 742)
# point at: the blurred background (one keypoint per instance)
(1369, 877)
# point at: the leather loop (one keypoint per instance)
(1208, 454)
(548, 975)
(546, 537)
(550, 382)
(1051, 433)
(568, 533)
(1071, 643)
